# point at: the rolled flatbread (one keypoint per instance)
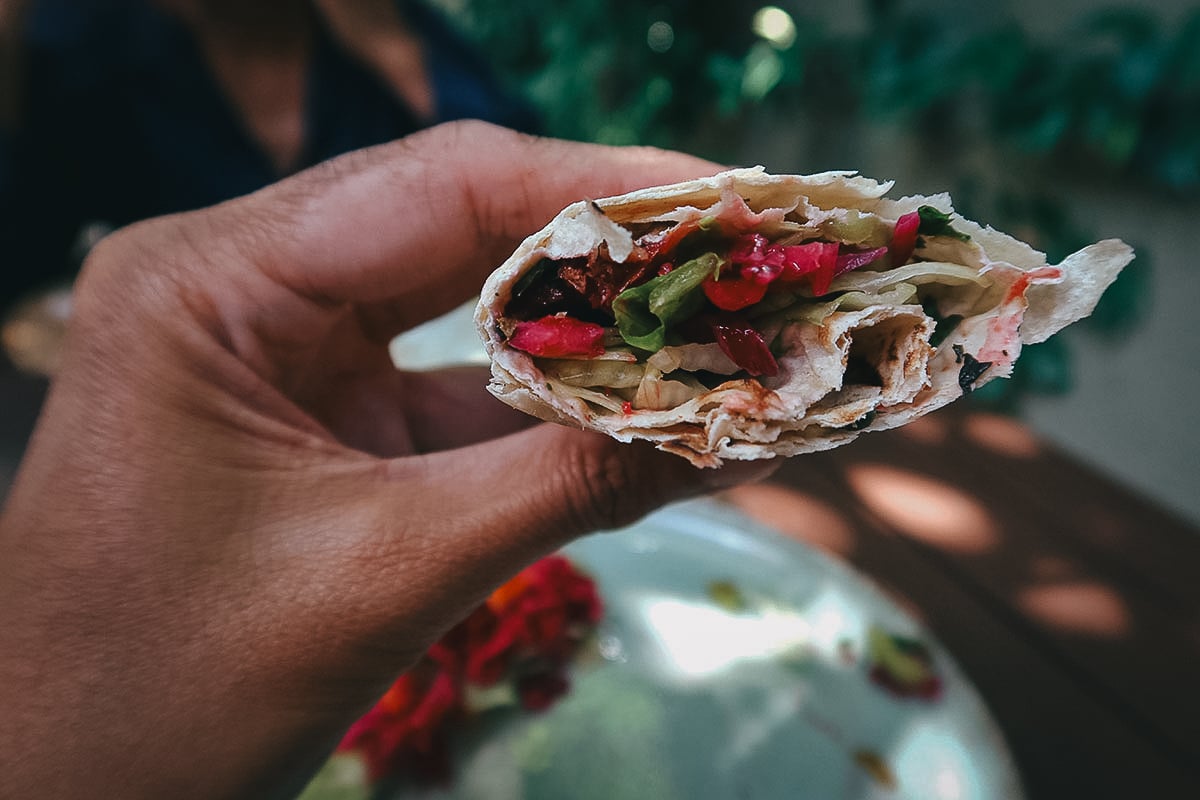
(749, 315)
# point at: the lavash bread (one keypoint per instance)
(1015, 298)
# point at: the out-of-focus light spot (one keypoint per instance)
(947, 785)
(1002, 435)
(925, 509)
(796, 514)
(829, 626)
(612, 649)
(33, 334)
(660, 36)
(700, 640)
(775, 25)
(763, 70)
(934, 757)
(447, 340)
(1080, 607)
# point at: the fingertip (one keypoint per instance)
(587, 481)
(737, 473)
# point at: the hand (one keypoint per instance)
(236, 523)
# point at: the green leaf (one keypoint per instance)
(645, 312)
(937, 223)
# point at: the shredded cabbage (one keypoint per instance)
(920, 272)
(897, 295)
(817, 313)
(613, 404)
(860, 228)
(657, 393)
(612, 374)
(693, 358)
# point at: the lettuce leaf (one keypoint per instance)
(645, 312)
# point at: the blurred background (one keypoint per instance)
(1061, 123)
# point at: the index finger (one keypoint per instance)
(416, 225)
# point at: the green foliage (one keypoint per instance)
(1115, 90)
(1116, 95)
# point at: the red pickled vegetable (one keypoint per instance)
(731, 294)
(749, 249)
(756, 260)
(559, 337)
(846, 262)
(762, 274)
(762, 262)
(814, 259)
(666, 242)
(904, 238)
(852, 261)
(746, 348)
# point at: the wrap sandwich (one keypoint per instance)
(749, 315)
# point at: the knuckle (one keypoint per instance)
(605, 488)
(108, 272)
(468, 130)
(138, 275)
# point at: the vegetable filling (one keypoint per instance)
(701, 302)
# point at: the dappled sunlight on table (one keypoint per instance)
(1003, 436)
(924, 508)
(796, 514)
(1084, 607)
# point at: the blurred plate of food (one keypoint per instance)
(731, 663)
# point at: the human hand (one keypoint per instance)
(237, 522)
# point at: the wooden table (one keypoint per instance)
(1070, 602)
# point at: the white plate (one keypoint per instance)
(688, 698)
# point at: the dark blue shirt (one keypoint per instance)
(122, 121)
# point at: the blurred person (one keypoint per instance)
(236, 522)
(119, 110)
